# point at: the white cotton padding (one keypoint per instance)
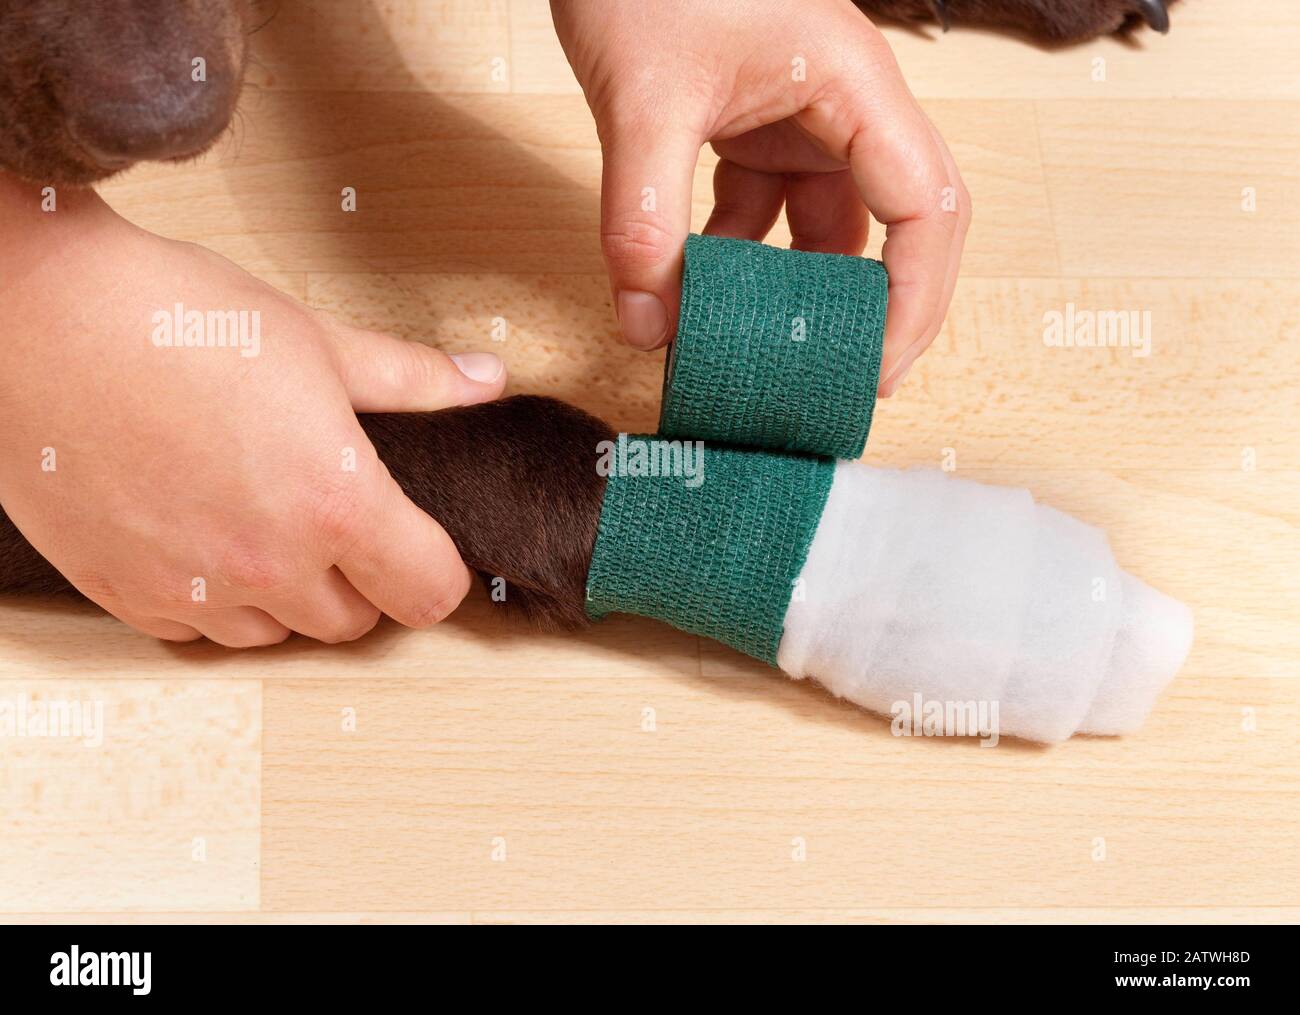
(894, 552)
(1066, 632)
(920, 583)
(1152, 643)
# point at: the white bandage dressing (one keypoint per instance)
(921, 584)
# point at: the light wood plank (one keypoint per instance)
(1164, 190)
(477, 184)
(935, 914)
(739, 773)
(1211, 387)
(38, 637)
(938, 914)
(263, 919)
(538, 62)
(383, 45)
(558, 332)
(158, 809)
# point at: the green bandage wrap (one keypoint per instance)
(714, 552)
(775, 348)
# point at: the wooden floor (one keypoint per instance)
(636, 773)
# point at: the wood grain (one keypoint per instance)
(157, 807)
(636, 773)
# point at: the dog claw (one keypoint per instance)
(941, 13)
(1154, 14)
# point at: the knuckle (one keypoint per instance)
(625, 110)
(404, 364)
(420, 367)
(427, 613)
(145, 593)
(435, 609)
(351, 629)
(252, 568)
(332, 507)
(95, 585)
(643, 242)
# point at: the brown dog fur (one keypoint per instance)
(1055, 22)
(513, 482)
(90, 87)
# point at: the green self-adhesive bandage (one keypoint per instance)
(775, 348)
(707, 539)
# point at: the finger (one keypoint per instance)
(240, 626)
(386, 374)
(868, 118)
(961, 208)
(331, 610)
(746, 202)
(406, 565)
(645, 215)
(826, 213)
(158, 627)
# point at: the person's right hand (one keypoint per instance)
(807, 109)
(198, 491)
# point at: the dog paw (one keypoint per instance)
(1051, 21)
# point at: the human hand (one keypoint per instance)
(219, 491)
(806, 107)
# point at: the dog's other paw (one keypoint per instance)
(1051, 21)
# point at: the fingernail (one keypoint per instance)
(643, 318)
(484, 367)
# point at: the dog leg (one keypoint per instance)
(1049, 21)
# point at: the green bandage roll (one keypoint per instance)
(775, 348)
(707, 539)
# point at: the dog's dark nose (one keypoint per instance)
(147, 115)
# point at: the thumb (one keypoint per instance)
(386, 374)
(645, 214)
